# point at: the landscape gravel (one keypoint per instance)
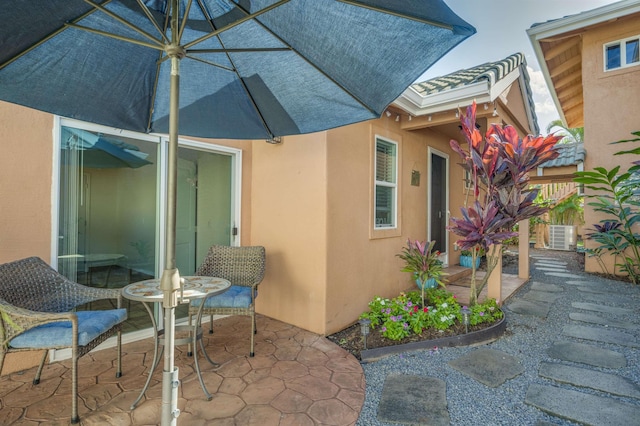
(528, 338)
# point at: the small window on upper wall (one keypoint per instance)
(386, 187)
(622, 53)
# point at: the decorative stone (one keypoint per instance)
(488, 366)
(414, 400)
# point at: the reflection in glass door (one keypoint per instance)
(110, 207)
(107, 222)
(204, 211)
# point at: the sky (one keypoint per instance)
(501, 31)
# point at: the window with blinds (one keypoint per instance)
(622, 53)
(386, 184)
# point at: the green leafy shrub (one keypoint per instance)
(397, 318)
(616, 193)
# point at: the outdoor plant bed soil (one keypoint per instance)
(350, 339)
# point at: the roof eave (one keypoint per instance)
(417, 104)
(571, 23)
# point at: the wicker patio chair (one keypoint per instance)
(36, 304)
(244, 268)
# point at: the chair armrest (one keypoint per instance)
(17, 320)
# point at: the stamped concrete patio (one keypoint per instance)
(295, 378)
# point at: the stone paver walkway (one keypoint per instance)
(581, 380)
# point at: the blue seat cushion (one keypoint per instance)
(236, 297)
(91, 324)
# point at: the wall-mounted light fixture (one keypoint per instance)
(415, 178)
(388, 113)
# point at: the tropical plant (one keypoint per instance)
(423, 262)
(568, 211)
(569, 134)
(499, 166)
(479, 252)
(616, 195)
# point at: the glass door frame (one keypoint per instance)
(163, 142)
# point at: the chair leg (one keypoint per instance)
(74, 386)
(119, 370)
(211, 324)
(253, 332)
(36, 380)
(189, 349)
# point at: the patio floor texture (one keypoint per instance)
(295, 378)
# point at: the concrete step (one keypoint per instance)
(456, 273)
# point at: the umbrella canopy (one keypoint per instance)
(256, 68)
(252, 69)
(100, 152)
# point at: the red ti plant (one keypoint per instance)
(499, 166)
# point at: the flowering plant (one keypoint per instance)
(399, 317)
(421, 260)
(484, 312)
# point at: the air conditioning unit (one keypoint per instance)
(562, 237)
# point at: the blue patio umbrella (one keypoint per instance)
(250, 69)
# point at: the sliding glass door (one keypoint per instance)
(111, 208)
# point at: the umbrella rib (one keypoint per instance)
(146, 11)
(213, 64)
(45, 39)
(248, 17)
(123, 22)
(241, 50)
(184, 20)
(399, 15)
(308, 61)
(117, 37)
(235, 70)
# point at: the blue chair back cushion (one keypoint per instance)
(236, 297)
(91, 324)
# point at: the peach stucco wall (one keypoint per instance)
(611, 103)
(25, 183)
(311, 207)
(289, 217)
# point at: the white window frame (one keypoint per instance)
(622, 44)
(379, 183)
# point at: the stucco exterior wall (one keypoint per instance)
(289, 217)
(25, 183)
(611, 104)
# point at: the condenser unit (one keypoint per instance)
(562, 237)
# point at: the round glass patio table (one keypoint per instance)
(194, 287)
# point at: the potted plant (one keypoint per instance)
(466, 257)
(422, 261)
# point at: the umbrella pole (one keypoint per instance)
(170, 281)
